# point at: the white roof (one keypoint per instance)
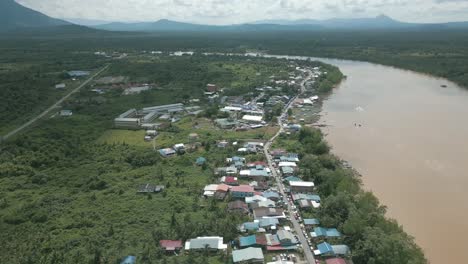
(252, 118)
(287, 164)
(232, 108)
(301, 184)
(244, 173)
(211, 187)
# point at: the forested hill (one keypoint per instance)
(15, 16)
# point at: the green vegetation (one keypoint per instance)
(372, 237)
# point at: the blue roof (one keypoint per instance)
(129, 260)
(201, 160)
(251, 226)
(248, 241)
(270, 194)
(326, 232)
(325, 248)
(268, 222)
(78, 73)
(235, 158)
(311, 221)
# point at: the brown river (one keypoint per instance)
(411, 149)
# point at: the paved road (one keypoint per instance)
(48, 110)
(305, 245)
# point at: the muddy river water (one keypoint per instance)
(411, 148)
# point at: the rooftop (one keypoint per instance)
(247, 254)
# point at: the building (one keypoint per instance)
(229, 180)
(129, 260)
(225, 171)
(171, 245)
(248, 255)
(248, 241)
(323, 249)
(136, 89)
(170, 108)
(193, 137)
(76, 74)
(210, 190)
(66, 113)
(200, 161)
(263, 212)
(287, 171)
(341, 250)
(287, 164)
(252, 118)
(226, 123)
(272, 195)
(202, 243)
(128, 120)
(250, 226)
(286, 238)
(310, 223)
(212, 88)
(242, 191)
(167, 152)
(149, 188)
(60, 86)
(301, 186)
(320, 232)
(238, 206)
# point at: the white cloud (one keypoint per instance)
(240, 11)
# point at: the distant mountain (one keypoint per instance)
(379, 22)
(15, 16)
(168, 25)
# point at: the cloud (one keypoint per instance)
(240, 11)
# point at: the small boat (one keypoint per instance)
(443, 86)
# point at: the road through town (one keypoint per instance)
(55, 105)
(297, 228)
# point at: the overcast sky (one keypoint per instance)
(241, 11)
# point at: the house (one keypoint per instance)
(171, 245)
(272, 195)
(311, 222)
(238, 207)
(200, 161)
(148, 188)
(222, 144)
(255, 174)
(256, 164)
(167, 152)
(60, 86)
(236, 161)
(229, 180)
(290, 157)
(301, 186)
(242, 191)
(221, 191)
(320, 232)
(226, 123)
(66, 113)
(260, 185)
(252, 118)
(267, 203)
(202, 243)
(179, 147)
(226, 171)
(212, 88)
(78, 73)
(277, 153)
(286, 238)
(255, 199)
(324, 249)
(341, 250)
(292, 178)
(129, 260)
(287, 171)
(248, 255)
(263, 212)
(335, 261)
(269, 223)
(248, 241)
(287, 164)
(210, 190)
(250, 226)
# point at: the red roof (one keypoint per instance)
(242, 188)
(261, 240)
(230, 179)
(170, 244)
(223, 188)
(335, 261)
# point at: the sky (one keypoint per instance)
(241, 11)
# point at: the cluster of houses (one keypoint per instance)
(302, 194)
(151, 117)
